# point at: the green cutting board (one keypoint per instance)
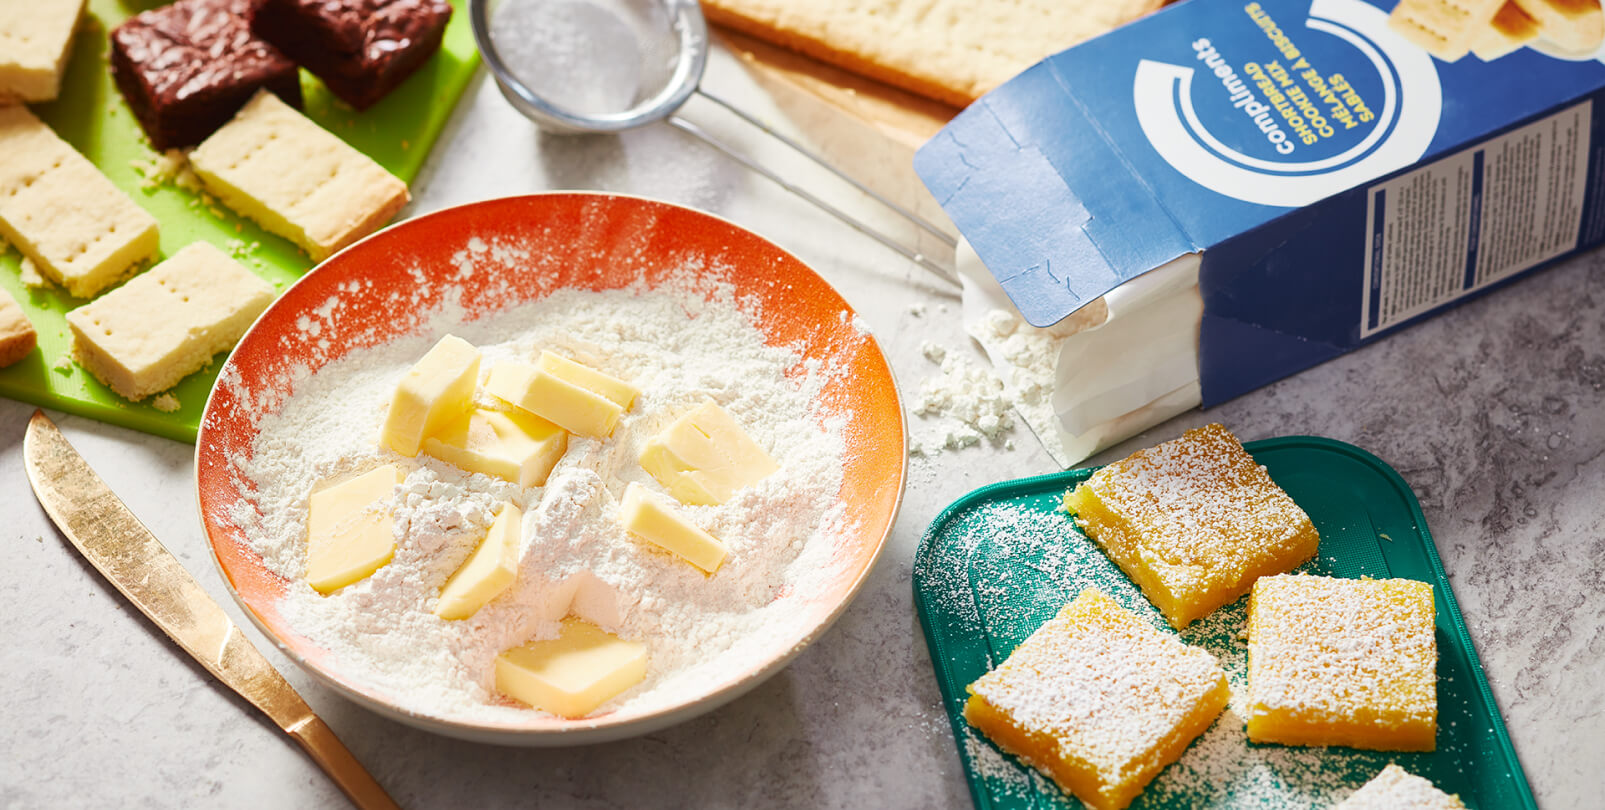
(92, 116)
(1002, 560)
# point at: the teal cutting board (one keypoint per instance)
(92, 116)
(1000, 562)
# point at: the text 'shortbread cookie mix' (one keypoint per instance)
(1330, 170)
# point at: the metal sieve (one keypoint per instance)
(670, 45)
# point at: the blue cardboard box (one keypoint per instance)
(1338, 181)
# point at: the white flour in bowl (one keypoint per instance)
(676, 344)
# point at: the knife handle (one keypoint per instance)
(318, 740)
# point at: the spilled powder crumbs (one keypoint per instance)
(963, 405)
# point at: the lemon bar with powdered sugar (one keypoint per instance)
(1193, 521)
(1342, 662)
(1099, 700)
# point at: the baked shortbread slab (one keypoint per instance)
(949, 50)
(81, 231)
(148, 334)
(275, 166)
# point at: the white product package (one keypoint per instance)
(1112, 369)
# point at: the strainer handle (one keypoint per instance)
(918, 221)
(853, 222)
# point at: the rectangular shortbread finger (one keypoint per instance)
(274, 165)
(150, 333)
(1444, 28)
(61, 212)
(35, 38)
(1099, 699)
(17, 336)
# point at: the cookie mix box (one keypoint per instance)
(1331, 170)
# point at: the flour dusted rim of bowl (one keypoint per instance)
(796, 304)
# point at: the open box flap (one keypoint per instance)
(1188, 127)
(1042, 196)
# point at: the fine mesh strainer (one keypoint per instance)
(592, 66)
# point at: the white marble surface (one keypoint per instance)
(1495, 413)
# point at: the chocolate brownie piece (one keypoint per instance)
(188, 67)
(361, 49)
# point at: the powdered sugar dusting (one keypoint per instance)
(682, 340)
(1338, 651)
(1105, 685)
(1204, 520)
(1397, 789)
(1001, 568)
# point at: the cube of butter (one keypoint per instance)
(704, 457)
(58, 209)
(513, 446)
(652, 518)
(35, 38)
(488, 571)
(435, 392)
(166, 323)
(298, 180)
(573, 674)
(575, 408)
(350, 531)
(615, 389)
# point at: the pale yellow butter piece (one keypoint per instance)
(60, 211)
(513, 446)
(704, 457)
(435, 392)
(166, 323)
(615, 389)
(17, 337)
(644, 514)
(350, 531)
(573, 674)
(35, 39)
(274, 165)
(577, 410)
(487, 573)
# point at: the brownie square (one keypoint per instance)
(188, 67)
(361, 49)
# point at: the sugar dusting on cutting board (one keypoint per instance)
(1000, 569)
(687, 338)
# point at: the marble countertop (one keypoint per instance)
(1494, 413)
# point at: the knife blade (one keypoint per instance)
(103, 529)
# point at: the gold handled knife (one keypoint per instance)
(127, 554)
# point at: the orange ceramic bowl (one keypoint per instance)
(573, 240)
